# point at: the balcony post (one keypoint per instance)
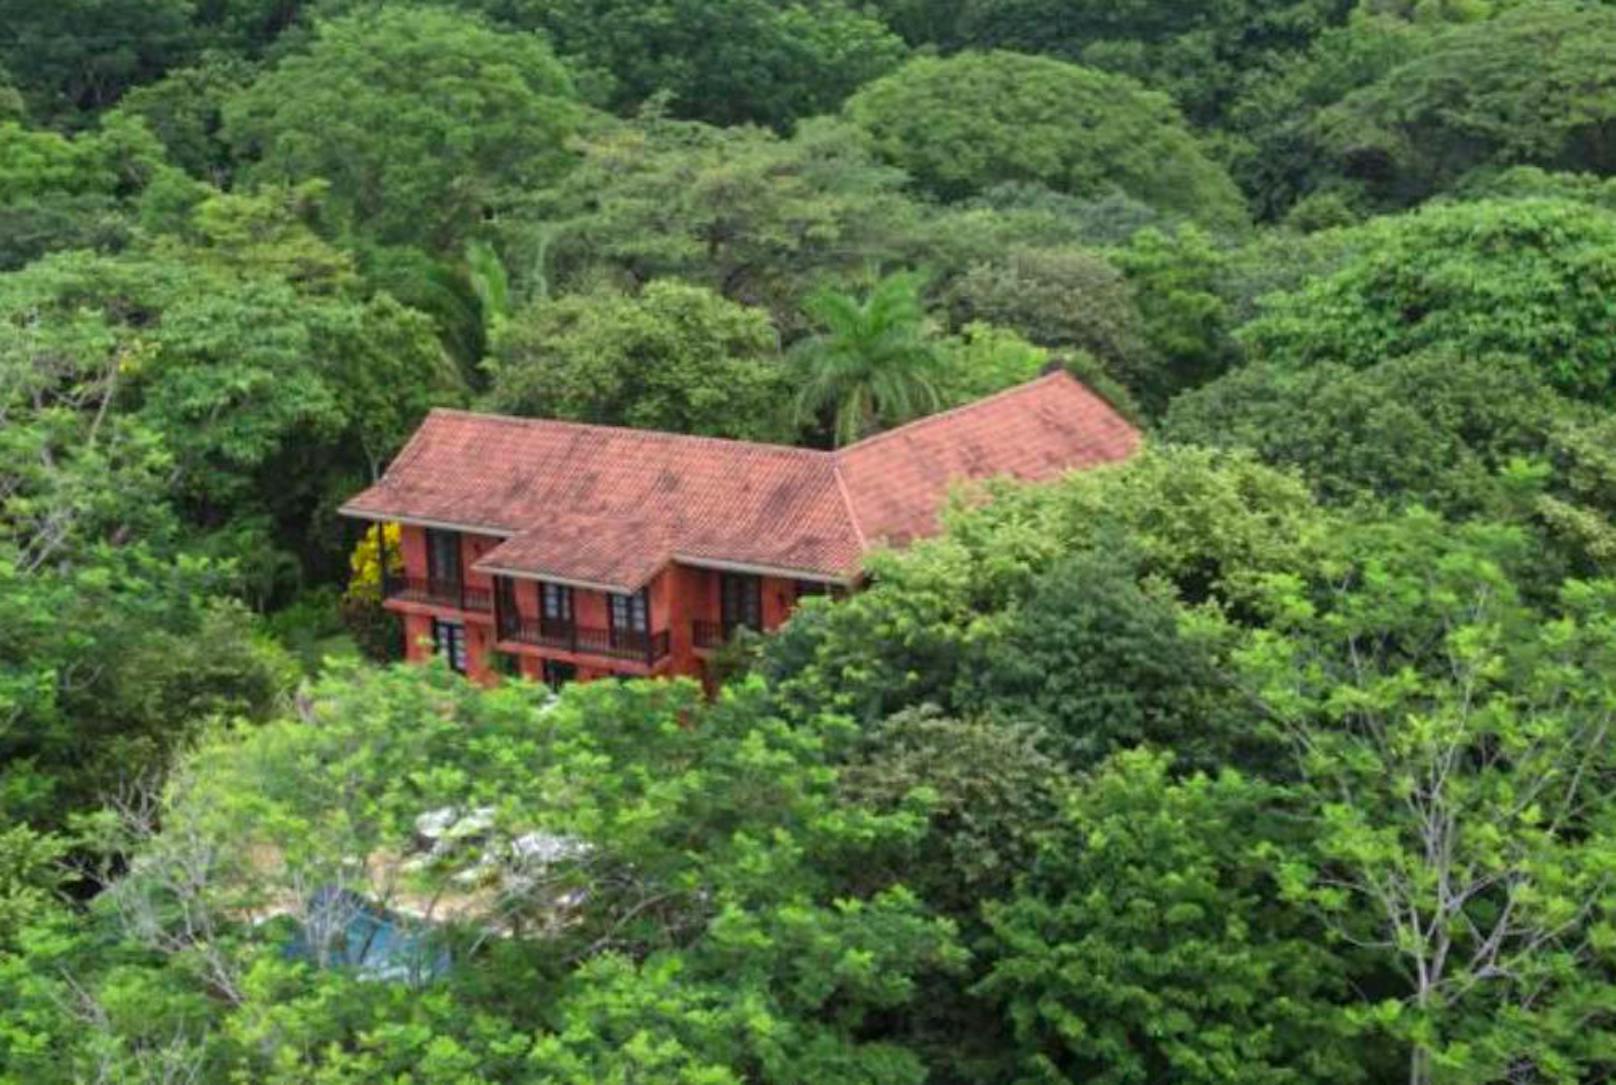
(381, 558)
(499, 611)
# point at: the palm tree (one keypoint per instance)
(871, 363)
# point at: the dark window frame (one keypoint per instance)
(438, 542)
(740, 602)
(635, 608)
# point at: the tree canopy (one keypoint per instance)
(960, 125)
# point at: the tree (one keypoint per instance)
(1527, 278)
(1149, 942)
(57, 192)
(1100, 662)
(963, 124)
(1529, 87)
(78, 56)
(423, 120)
(736, 62)
(679, 879)
(675, 357)
(245, 342)
(1427, 428)
(1455, 741)
(1067, 298)
(1275, 150)
(872, 364)
(1206, 528)
(760, 219)
(1202, 53)
(1176, 280)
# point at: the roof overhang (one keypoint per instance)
(421, 521)
(551, 578)
(780, 571)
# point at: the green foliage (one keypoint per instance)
(58, 192)
(185, 111)
(760, 219)
(82, 54)
(872, 362)
(1098, 660)
(964, 124)
(1205, 528)
(1529, 278)
(1065, 298)
(1149, 943)
(423, 121)
(1532, 86)
(674, 357)
(737, 62)
(1455, 741)
(1201, 52)
(1428, 428)
(982, 359)
(243, 343)
(709, 923)
(1184, 318)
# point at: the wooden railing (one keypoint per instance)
(442, 593)
(706, 634)
(627, 644)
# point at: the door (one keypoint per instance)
(741, 602)
(449, 640)
(557, 675)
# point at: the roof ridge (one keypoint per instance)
(644, 434)
(925, 420)
(847, 503)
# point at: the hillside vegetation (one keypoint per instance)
(1281, 754)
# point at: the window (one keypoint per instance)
(449, 640)
(630, 614)
(505, 608)
(807, 588)
(556, 603)
(443, 555)
(741, 601)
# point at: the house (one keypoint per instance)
(580, 551)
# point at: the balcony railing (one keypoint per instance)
(441, 593)
(706, 634)
(626, 644)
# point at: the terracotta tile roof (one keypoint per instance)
(897, 481)
(608, 506)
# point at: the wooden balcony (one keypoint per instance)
(624, 644)
(439, 593)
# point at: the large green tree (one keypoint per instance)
(674, 357)
(1530, 278)
(761, 219)
(736, 62)
(423, 120)
(1455, 741)
(962, 124)
(1150, 942)
(1532, 86)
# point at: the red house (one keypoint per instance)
(584, 551)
